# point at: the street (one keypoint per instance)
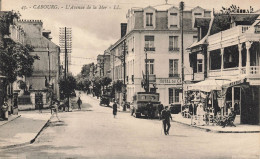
(93, 132)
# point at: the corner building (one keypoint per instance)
(156, 30)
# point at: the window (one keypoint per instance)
(150, 66)
(173, 43)
(195, 38)
(170, 95)
(149, 19)
(149, 43)
(174, 95)
(199, 65)
(174, 21)
(173, 68)
(177, 96)
(198, 14)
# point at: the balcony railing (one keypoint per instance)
(254, 70)
(174, 75)
(228, 34)
(174, 49)
(149, 48)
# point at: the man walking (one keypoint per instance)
(166, 115)
(79, 103)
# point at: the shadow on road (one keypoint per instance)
(56, 123)
(42, 151)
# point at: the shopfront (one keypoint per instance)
(223, 95)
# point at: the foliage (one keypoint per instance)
(235, 9)
(105, 81)
(83, 84)
(85, 70)
(15, 60)
(221, 23)
(67, 86)
(117, 86)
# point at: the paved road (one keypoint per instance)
(94, 133)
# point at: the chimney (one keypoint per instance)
(123, 29)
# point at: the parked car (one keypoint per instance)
(175, 108)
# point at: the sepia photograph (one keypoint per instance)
(129, 79)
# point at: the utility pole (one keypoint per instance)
(66, 44)
(49, 63)
(124, 52)
(182, 54)
(146, 73)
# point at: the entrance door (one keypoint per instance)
(250, 105)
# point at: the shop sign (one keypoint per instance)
(235, 83)
(168, 81)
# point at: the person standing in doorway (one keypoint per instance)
(114, 109)
(79, 102)
(166, 116)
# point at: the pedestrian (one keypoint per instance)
(207, 116)
(79, 103)
(166, 115)
(114, 109)
(149, 108)
(200, 113)
(56, 109)
(160, 108)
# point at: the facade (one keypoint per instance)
(231, 67)
(103, 66)
(10, 32)
(46, 70)
(155, 32)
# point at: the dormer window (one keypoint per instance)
(197, 12)
(173, 18)
(149, 19)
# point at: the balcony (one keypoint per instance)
(174, 49)
(253, 71)
(149, 49)
(174, 75)
(228, 34)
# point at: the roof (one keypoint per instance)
(163, 7)
(215, 84)
(202, 22)
(244, 18)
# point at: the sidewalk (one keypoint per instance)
(24, 129)
(218, 129)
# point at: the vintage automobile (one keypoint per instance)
(105, 99)
(140, 101)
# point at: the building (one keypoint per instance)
(10, 33)
(46, 70)
(103, 65)
(229, 71)
(154, 31)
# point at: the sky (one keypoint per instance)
(94, 30)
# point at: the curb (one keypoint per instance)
(11, 120)
(29, 142)
(216, 131)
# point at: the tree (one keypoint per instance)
(67, 86)
(235, 9)
(15, 60)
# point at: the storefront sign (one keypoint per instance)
(235, 83)
(168, 81)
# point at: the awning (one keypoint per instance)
(214, 84)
